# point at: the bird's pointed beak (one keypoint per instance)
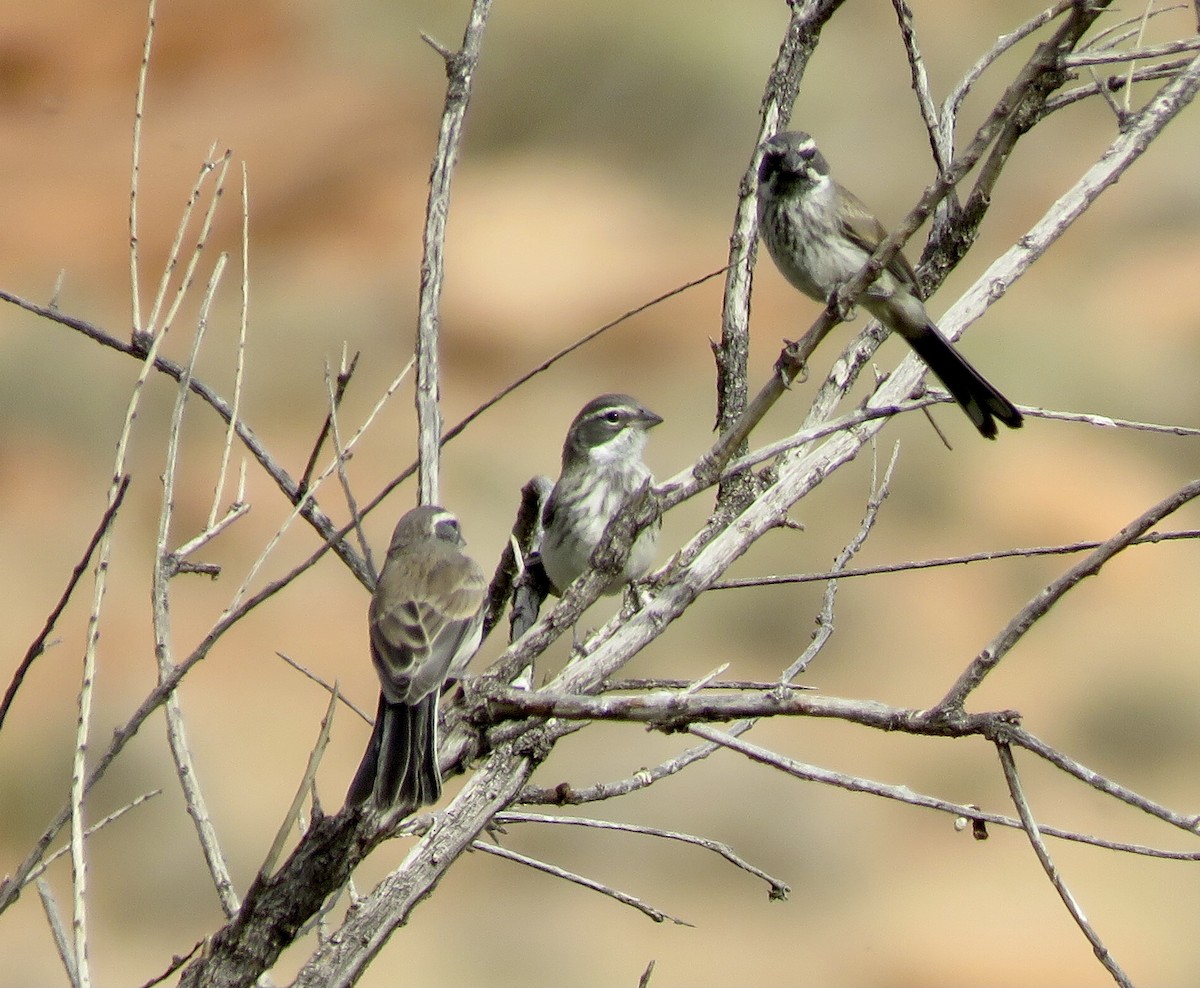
(648, 419)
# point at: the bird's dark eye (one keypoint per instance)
(447, 529)
(613, 417)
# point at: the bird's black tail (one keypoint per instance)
(977, 396)
(399, 768)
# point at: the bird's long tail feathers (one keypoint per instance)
(399, 768)
(977, 396)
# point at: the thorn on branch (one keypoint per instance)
(451, 58)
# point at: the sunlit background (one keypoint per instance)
(599, 168)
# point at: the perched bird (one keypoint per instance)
(601, 467)
(426, 621)
(820, 235)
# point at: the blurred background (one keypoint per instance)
(599, 167)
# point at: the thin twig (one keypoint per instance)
(343, 381)
(1105, 87)
(220, 166)
(460, 70)
(239, 366)
(1142, 24)
(139, 106)
(566, 795)
(309, 510)
(778, 890)
(176, 963)
(825, 618)
(1101, 783)
(1027, 617)
(588, 883)
(1153, 538)
(235, 511)
(38, 645)
(1082, 58)
(306, 784)
(942, 153)
(953, 103)
(269, 547)
(59, 935)
(340, 458)
(330, 688)
(903, 794)
(165, 567)
(95, 828)
(690, 481)
(1116, 33)
(1043, 855)
(693, 480)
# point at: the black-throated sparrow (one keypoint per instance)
(426, 619)
(601, 467)
(820, 235)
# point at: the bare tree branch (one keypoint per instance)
(942, 152)
(344, 376)
(165, 568)
(310, 511)
(732, 352)
(588, 883)
(139, 109)
(61, 943)
(340, 960)
(39, 644)
(1039, 847)
(825, 618)
(95, 828)
(1153, 538)
(1002, 644)
(460, 70)
(778, 890)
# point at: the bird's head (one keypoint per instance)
(791, 159)
(609, 430)
(428, 522)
